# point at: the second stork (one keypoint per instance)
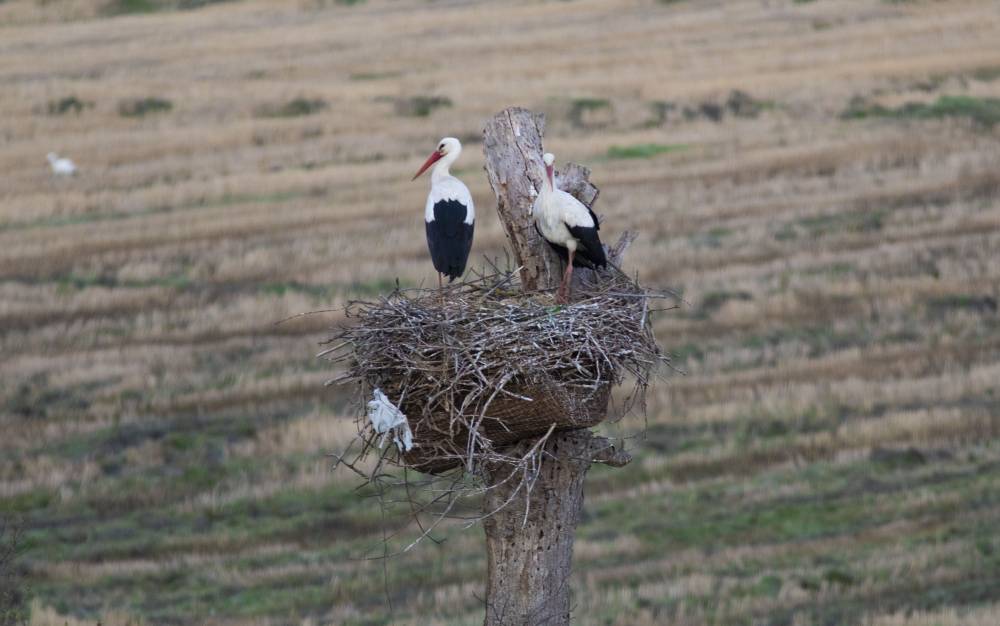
(569, 226)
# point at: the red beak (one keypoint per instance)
(548, 170)
(430, 161)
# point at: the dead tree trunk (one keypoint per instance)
(529, 541)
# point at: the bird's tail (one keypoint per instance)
(611, 266)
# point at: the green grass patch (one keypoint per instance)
(362, 76)
(78, 282)
(981, 111)
(36, 398)
(787, 232)
(714, 300)
(835, 500)
(141, 107)
(590, 104)
(69, 104)
(375, 287)
(677, 438)
(132, 7)
(834, 269)
(700, 517)
(852, 221)
(187, 5)
(897, 459)
(644, 150)
(861, 221)
(680, 355)
(712, 238)
(280, 289)
(139, 7)
(27, 501)
(976, 303)
(769, 586)
(183, 442)
(661, 109)
(820, 339)
(987, 74)
(56, 221)
(581, 110)
(299, 107)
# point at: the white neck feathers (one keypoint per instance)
(442, 169)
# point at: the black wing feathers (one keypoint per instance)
(583, 256)
(449, 238)
(590, 246)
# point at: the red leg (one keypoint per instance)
(562, 296)
(569, 274)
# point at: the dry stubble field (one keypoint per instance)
(830, 455)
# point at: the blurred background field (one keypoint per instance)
(819, 178)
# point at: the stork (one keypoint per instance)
(61, 166)
(449, 215)
(569, 226)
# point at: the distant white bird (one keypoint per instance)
(61, 166)
(449, 215)
(569, 226)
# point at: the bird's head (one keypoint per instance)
(449, 146)
(52, 157)
(549, 159)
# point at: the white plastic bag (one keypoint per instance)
(386, 418)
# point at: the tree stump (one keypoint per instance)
(530, 532)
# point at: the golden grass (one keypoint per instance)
(984, 616)
(42, 615)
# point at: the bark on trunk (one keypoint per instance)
(529, 539)
(530, 533)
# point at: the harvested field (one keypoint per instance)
(820, 179)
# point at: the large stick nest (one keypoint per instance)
(481, 366)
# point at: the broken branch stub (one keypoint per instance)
(574, 179)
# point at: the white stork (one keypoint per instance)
(569, 226)
(61, 166)
(449, 215)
